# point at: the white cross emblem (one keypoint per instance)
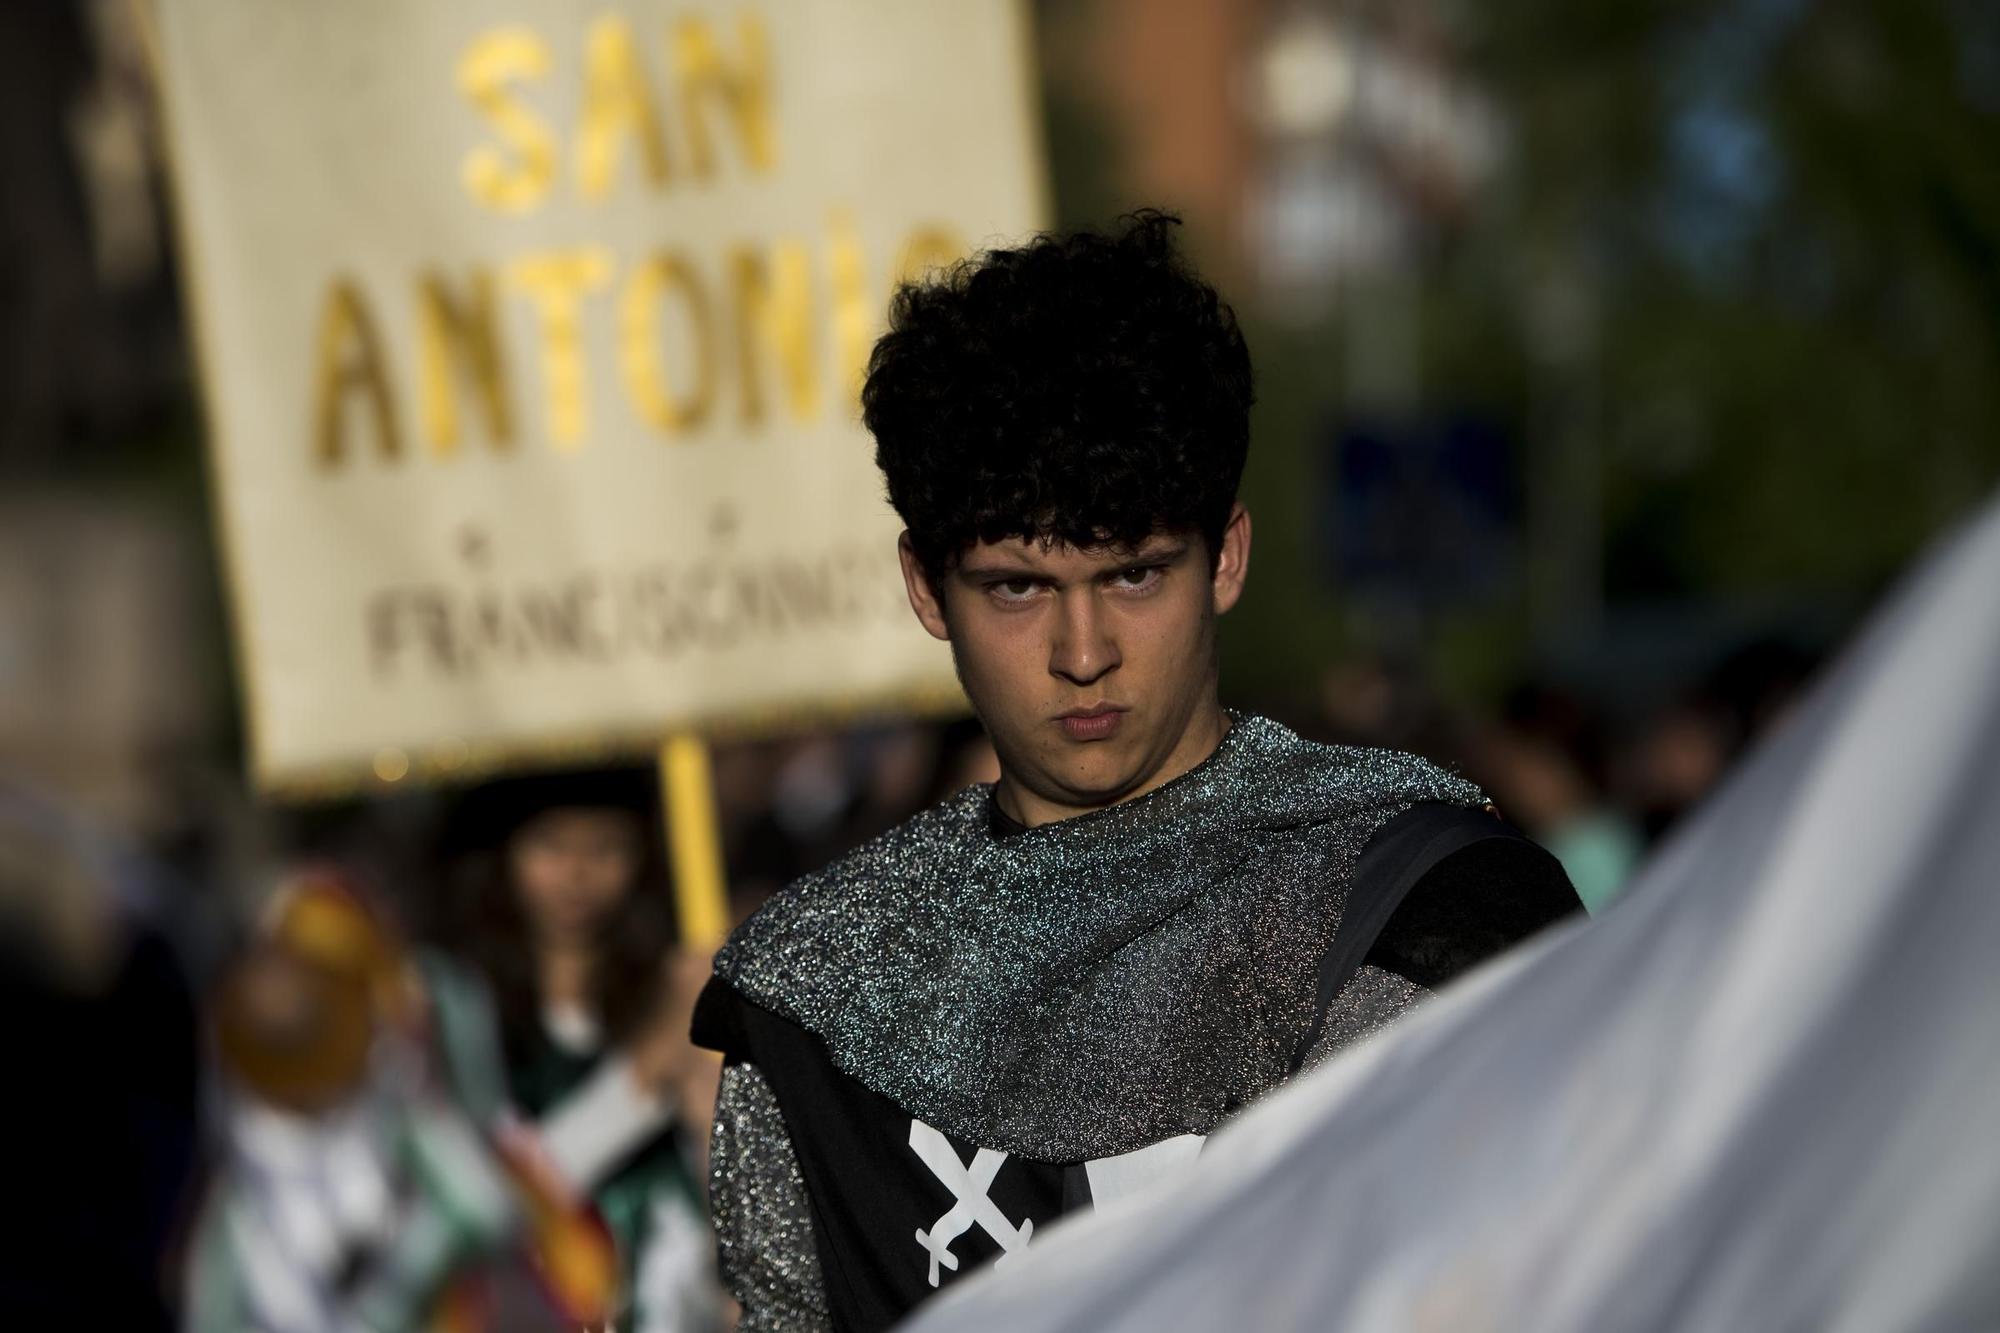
(968, 1186)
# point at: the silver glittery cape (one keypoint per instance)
(1093, 985)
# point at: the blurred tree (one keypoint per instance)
(1774, 228)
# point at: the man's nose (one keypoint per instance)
(1085, 646)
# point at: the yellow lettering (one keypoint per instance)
(772, 305)
(458, 337)
(557, 281)
(854, 317)
(350, 361)
(642, 349)
(933, 245)
(744, 90)
(496, 180)
(617, 104)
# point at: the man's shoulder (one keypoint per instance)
(854, 890)
(1392, 765)
(887, 855)
(1294, 770)
(781, 962)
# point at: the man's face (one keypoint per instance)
(1094, 670)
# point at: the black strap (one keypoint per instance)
(1438, 871)
(718, 1020)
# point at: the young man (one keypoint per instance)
(1039, 994)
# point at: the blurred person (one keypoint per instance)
(785, 805)
(1376, 700)
(815, 791)
(1040, 993)
(1755, 686)
(1363, 702)
(899, 764)
(1678, 755)
(1681, 753)
(1542, 761)
(562, 907)
(104, 1080)
(1546, 791)
(760, 857)
(361, 1182)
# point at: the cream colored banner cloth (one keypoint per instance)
(531, 333)
(1760, 1092)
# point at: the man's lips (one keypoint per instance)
(1095, 723)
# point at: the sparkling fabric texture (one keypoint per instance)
(1370, 1001)
(763, 1222)
(1094, 985)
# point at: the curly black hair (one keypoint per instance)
(1085, 389)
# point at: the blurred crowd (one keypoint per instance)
(1597, 779)
(427, 1065)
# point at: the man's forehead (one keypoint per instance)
(1042, 555)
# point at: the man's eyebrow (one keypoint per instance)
(1152, 551)
(998, 570)
(1003, 573)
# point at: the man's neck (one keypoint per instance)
(1198, 741)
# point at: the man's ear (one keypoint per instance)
(924, 599)
(1232, 563)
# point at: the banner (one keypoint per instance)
(531, 335)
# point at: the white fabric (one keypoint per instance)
(572, 1027)
(322, 1182)
(677, 1292)
(592, 1130)
(1115, 1178)
(1762, 1091)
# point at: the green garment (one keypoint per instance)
(1599, 851)
(655, 1172)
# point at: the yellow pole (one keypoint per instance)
(694, 841)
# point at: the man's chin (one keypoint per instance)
(1091, 791)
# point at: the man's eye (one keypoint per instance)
(1013, 590)
(1143, 576)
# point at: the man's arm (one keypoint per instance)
(1459, 886)
(1482, 888)
(763, 1221)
